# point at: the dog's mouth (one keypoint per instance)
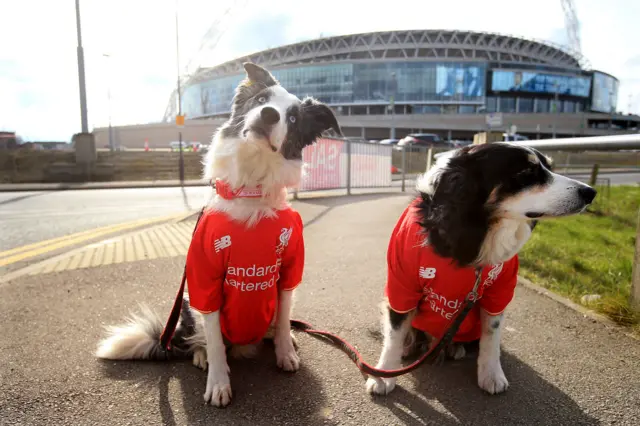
(262, 133)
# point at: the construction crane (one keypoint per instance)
(208, 43)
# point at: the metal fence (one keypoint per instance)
(346, 164)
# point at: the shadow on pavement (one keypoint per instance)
(449, 395)
(22, 197)
(341, 200)
(262, 394)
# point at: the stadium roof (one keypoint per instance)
(406, 45)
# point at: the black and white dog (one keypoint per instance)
(247, 255)
(475, 210)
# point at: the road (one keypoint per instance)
(28, 217)
(614, 178)
(563, 368)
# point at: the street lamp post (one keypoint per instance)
(81, 80)
(111, 145)
(611, 110)
(555, 108)
(392, 102)
(181, 161)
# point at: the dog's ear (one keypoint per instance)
(316, 119)
(544, 159)
(454, 215)
(257, 74)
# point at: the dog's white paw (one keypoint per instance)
(218, 390)
(379, 386)
(200, 358)
(491, 378)
(286, 355)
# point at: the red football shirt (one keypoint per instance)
(419, 278)
(239, 271)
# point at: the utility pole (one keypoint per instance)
(394, 87)
(179, 118)
(106, 55)
(81, 80)
(555, 108)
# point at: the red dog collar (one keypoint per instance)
(224, 190)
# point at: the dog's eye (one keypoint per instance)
(292, 118)
(262, 99)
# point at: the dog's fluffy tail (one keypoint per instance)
(139, 337)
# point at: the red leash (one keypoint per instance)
(355, 356)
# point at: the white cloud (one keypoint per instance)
(38, 69)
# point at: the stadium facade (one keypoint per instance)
(436, 81)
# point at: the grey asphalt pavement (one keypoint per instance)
(564, 369)
(28, 217)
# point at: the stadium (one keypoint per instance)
(390, 84)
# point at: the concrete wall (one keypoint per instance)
(27, 166)
(158, 135)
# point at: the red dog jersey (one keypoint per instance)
(419, 278)
(239, 271)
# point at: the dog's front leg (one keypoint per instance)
(490, 375)
(286, 354)
(395, 327)
(218, 391)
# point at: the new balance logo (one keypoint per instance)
(427, 272)
(222, 243)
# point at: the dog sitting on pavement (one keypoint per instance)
(247, 253)
(475, 210)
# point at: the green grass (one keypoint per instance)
(591, 253)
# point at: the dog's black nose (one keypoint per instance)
(587, 194)
(269, 116)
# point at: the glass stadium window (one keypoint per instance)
(507, 105)
(467, 109)
(427, 109)
(525, 105)
(579, 107)
(418, 81)
(540, 82)
(450, 109)
(378, 109)
(492, 104)
(542, 105)
(569, 106)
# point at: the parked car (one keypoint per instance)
(460, 144)
(389, 141)
(186, 146)
(423, 140)
(514, 138)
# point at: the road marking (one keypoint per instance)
(31, 250)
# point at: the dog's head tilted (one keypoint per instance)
(479, 203)
(262, 142)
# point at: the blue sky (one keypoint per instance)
(38, 70)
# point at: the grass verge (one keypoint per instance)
(591, 253)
